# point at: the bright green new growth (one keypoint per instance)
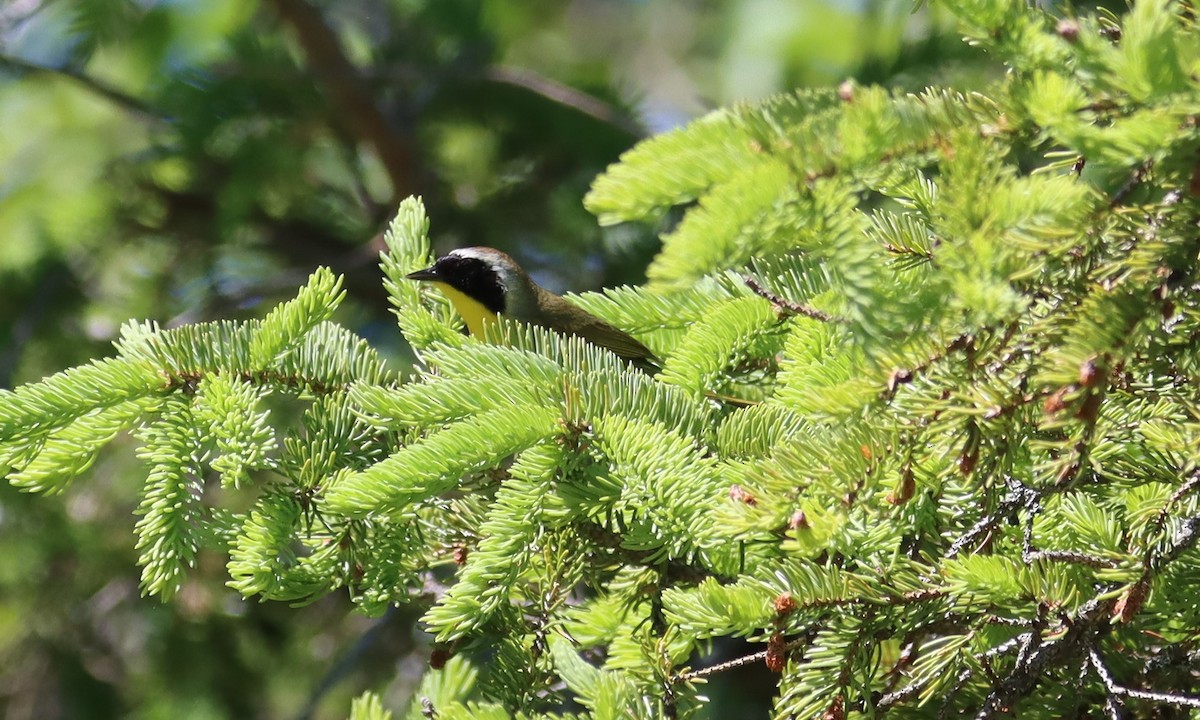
(926, 429)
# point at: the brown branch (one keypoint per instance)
(785, 305)
(348, 94)
(117, 97)
(565, 95)
(735, 663)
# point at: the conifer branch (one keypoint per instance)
(893, 698)
(896, 697)
(121, 99)
(1135, 179)
(1018, 496)
(540, 465)
(902, 376)
(738, 662)
(1185, 539)
(566, 96)
(349, 95)
(186, 381)
(1035, 657)
(787, 306)
(1114, 689)
(1030, 555)
(1183, 490)
(672, 570)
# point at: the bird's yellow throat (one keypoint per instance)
(472, 311)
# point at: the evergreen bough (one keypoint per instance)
(927, 427)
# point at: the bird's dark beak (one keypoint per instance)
(426, 274)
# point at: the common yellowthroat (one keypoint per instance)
(482, 282)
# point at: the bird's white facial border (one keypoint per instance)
(508, 278)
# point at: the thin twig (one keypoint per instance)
(1068, 556)
(1114, 689)
(1029, 554)
(785, 305)
(898, 696)
(1185, 538)
(735, 663)
(1137, 177)
(1036, 657)
(721, 667)
(119, 98)
(565, 95)
(1192, 483)
(1019, 496)
(1009, 622)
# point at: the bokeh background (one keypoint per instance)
(187, 160)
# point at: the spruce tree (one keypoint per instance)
(926, 428)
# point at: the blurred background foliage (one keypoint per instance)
(184, 160)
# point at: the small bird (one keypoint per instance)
(482, 282)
